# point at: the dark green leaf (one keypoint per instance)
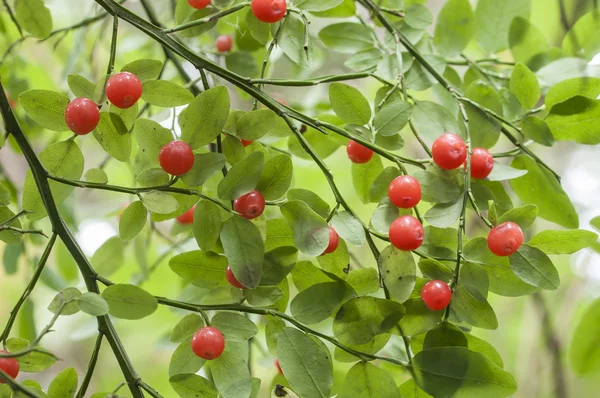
(364, 175)
(203, 269)
(432, 120)
(276, 177)
(255, 124)
(313, 200)
(113, 136)
(367, 381)
(311, 234)
(234, 326)
(575, 120)
(242, 178)
(537, 130)
(349, 228)
(588, 87)
(205, 117)
(346, 37)
(279, 262)
(399, 272)
(349, 103)
(207, 224)
(244, 249)
(472, 311)
(475, 280)
(231, 376)
(205, 166)
(534, 267)
(192, 386)
(437, 189)
(184, 360)
(318, 302)
(186, 327)
(443, 215)
(392, 118)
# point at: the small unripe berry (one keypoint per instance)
(405, 192)
(123, 90)
(250, 205)
(406, 233)
(199, 4)
(449, 151)
(358, 153)
(482, 163)
(232, 279)
(10, 366)
(334, 241)
(208, 343)
(224, 43)
(176, 158)
(82, 116)
(436, 295)
(269, 11)
(187, 217)
(505, 239)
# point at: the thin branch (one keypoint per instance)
(207, 19)
(113, 46)
(91, 367)
(23, 231)
(12, 17)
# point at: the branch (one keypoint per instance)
(22, 231)
(91, 367)
(12, 17)
(207, 19)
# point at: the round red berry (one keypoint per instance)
(269, 11)
(245, 143)
(358, 153)
(250, 205)
(436, 295)
(176, 158)
(232, 280)
(224, 43)
(406, 233)
(505, 239)
(208, 343)
(278, 366)
(123, 90)
(82, 116)
(334, 241)
(10, 366)
(449, 151)
(405, 192)
(187, 217)
(482, 163)
(199, 4)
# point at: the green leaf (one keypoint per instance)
(132, 220)
(409, 389)
(195, 15)
(540, 187)
(92, 304)
(380, 185)
(392, 118)
(152, 177)
(109, 257)
(278, 263)
(563, 242)
(454, 27)
(203, 269)
(336, 263)
(475, 279)
(231, 376)
(205, 117)
(575, 120)
(537, 130)
(443, 215)
(144, 69)
(485, 130)
(64, 384)
(313, 200)
(580, 41)
(364, 59)
(4, 195)
(363, 281)
(260, 31)
(129, 115)
(501, 172)
(264, 296)
(318, 302)
(65, 299)
(524, 216)
(493, 19)
(349, 103)
(588, 87)
(113, 136)
(292, 40)
(418, 77)
(584, 353)
(81, 87)
(222, 295)
(34, 17)
(129, 301)
(306, 364)
(432, 120)
(384, 215)
(367, 381)
(234, 326)
(399, 272)
(317, 5)
(186, 328)
(255, 124)
(346, 37)
(279, 234)
(364, 175)
(434, 269)
(472, 311)
(8, 236)
(311, 234)
(349, 228)
(205, 166)
(207, 224)
(534, 267)
(192, 386)
(524, 85)
(276, 177)
(46, 108)
(437, 189)
(97, 176)
(242, 178)
(184, 360)
(33, 362)
(242, 63)
(418, 16)
(160, 202)
(526, 40)
(151, 137)
(244, 248)
(165, 94)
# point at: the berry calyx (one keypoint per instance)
(405, 192)
(82, 116)
(269, 11)
(436, 295)
(482, 163)
(334, 241)
(232, 280)
(187, 217)
(199, 4)
(224, 43)
(449, 151)
(123, 90)
(505, 239)
(208, 343)
(278, 366)
(358, 153)
(406, 233)
(245, 143)
(176, 158)
(10, 366)
(250, 205)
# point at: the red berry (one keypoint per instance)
(245, 143)
(199, 4)
(482, 163)
(232, 280)
(358, 153)
(269, 11)
(224, 43)
(334, 241)
(187, 217)
(10, 366)
(406, 233)
(82, 116)
(123, 90)
(278, 366)
(505, 239)
(176, 158)
(405, 192)
(250, 205)
(449, 151)
(436, 295)
(208, 343)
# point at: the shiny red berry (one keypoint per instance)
(358, 153)
(10, 366)
(334, 241)
(505, 239)
(245, 143)
(250, 205)
(187, 217)
(176, 158)
(232, 280)
(208, 343)
(82, 116)
(199, 4)
(449, 151)
(482, 163)
(123, 90)
(436, 295)
(278, 366)
(406, 233)
(224, 43)
(269, 11)
(405, 192)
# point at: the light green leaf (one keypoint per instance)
(581, 40)
(260, 31)
(160, 202)
(207, 224)
(472, 311)
(364, 175)
(364, 59)
(454, 27)
(92, 304)
(349, 228)
(34, 17)
(81, 87)
(151, 137)
(433, 120)
(537, 130)
(437, 189)
(524, 85)
(534, 267)
(313, 200)
(443, 215)
(64, 384)
(363, 280)
(192, 386)
(205, 117)
(576, 120)
(292, 40)
(109, 257)
(129, 301)
(409, 389)
(65, 302)
(399, 272)
(392, 118)
(165, 94)
(234, 326)
(33, 362)
(46, 108)
(203, 269)
(264, 296)
(563, 242)
(524, 216)
(184, 360)
(475, 279)
(186, 327)
(311, 234)
(584, 353)
(418, 16)
(317, 5)
(367, 381)
(346, 37)
(132, 220)
(97, 176)
(205, 166)
(276, 177)
(349, 103)
(244, 248)
(588, 87)
(231, 376)
(144, 69)
(242, 178)
(8, 236)
(493, 19)
(526, 40)
(113, 136)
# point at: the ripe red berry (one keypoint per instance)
(406, 233)
(245, 143)
(482, 163)
(10, 366)
(232, 280)
(358, 153)
(436, 295)
(82, 116)
(405, 192)
(199, 4)
(187, 217)
(224, 43)
(505, 239)
(208, 343)
(123, 90)
(250, 205)
(449, 151)
(269, 11)
(334, 241)
(176, 158)
(278, 366)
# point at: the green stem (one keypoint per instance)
(12, 17)
(208, 19)
(113, 46)
(91, 367)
